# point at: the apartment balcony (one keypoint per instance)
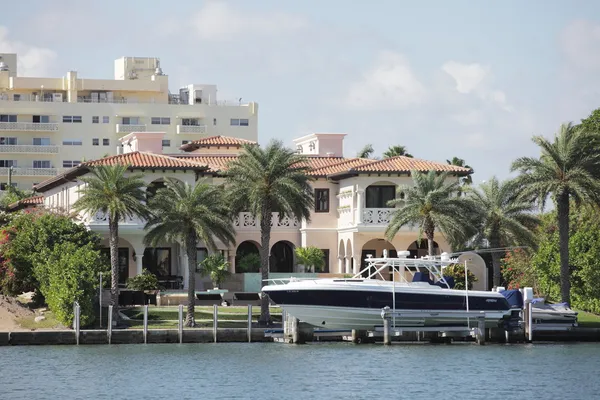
(246, 222)
(28, 149)
(102, 219)
(29, 126)
(377, 216)
(130, 128)
(19, 171)
(190, 129)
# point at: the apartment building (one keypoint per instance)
(51, 124)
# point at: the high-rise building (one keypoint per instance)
(48, 124)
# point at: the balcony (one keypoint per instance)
(28, 149)
(130, 128)
(377, 216)
(102, 219)
(29, 126)
(18, 171)
(190, 129)
(246, 222)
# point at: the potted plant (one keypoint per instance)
(146, 282)
(216, 267)
(311, 258)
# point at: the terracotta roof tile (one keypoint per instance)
(140, 159)
(23, 203)
(215, 163)
(342, 165)
(215, 141)
(407, 164)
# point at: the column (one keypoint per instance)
(348, 265)
(340, 265)
(138, 263)
(357, 264)
(359, 206)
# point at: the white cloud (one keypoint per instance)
(32, 60)
(580, 43)
(218, 21)
(468, 77)
(390, 84)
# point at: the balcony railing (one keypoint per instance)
(377, 216)
(29, 126)
(28, 148)
(130, 128)
(184, 129)
(245, 221)
(18, 171)
(102, 219)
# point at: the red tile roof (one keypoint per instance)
(24, 203)
(216, 141)
(215, 163)
(407, 164)
(345, 164)
(140, 159)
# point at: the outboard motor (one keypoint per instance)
(515, 300)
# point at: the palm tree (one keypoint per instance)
(186, 214)
(110, 191)
(568, 170)
(366, 152)
(432, 204)
(505, 219)
(394, 151)
(267, 180)
(459, 162)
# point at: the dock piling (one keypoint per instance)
(180, 323)
(249, 323)
(76, 320)
(146, 323)
(480, 334)
(110, 323)
(387, 339)
(215, 321)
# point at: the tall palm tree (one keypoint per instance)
(267, 180)
(186, 214)
(366, 152)
(431, 204)
(459, 162)
(394, 151)
(566, 170)
(505, 219)
(111, 191)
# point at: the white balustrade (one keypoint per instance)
(17, 171)
(377, 216)
(28, 148)
(29, 126)
(245, 221)
(101, 218)
(130, 128)
(185, 129)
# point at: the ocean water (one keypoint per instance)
(313, 371)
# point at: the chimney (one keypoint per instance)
(147, 142)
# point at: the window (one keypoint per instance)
(41, 164)
(72, 143)
(4, 185)
(123, 261)
(76, 119)
(8, 140)
(40, 119)
(322, 200)
(95, 142)
(8, 163)
(8, 118)
(95, 119)
(325, 268)
(43, 141)
(157, 260)
(70, 164)
(190, 121)
(166, 143)
(131, 120)
(105, 119)
(160, 121)
(214, 121)
(105, 142)
(184, 142)
(16, 97)
(239, 122)
(201, 254)
(378, 196)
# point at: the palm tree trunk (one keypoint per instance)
(429, 229)
(562, 206)
(265, 239)
(497, 273)
(190, 249)
(113, 241)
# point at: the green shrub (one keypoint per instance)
(71, 274)
(457, 271)
(144, 281)
(216, 267)
(249, 262)
(311, 257)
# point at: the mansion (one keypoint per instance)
(348, 221)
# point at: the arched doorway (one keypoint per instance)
(282, 257)
(375, 248)
(419, 248)
(247, 258)
(154, 187)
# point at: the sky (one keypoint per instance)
(471, 79)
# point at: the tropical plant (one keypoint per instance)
(431, 204)
(144, 281)
(459, 162)
(267, 180)
(457, 272)
(112, 191)
(518, 271)
(188, 214)
(249, 262)
(311, 257)
(12, 195)
(566, 170)
(366, 152)
(394, 151)
(505, 219)
(216, 267)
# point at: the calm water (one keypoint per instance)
(317, 371)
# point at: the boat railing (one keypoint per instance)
(283, 281)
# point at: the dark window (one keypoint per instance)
(8, 118)
(326, 265)
(40, 119)
(378, 196)
(158, 261)
(105, 142)
(321, 200)
(95, 142)
(201, 254)
(95, 120)
(166, 143)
